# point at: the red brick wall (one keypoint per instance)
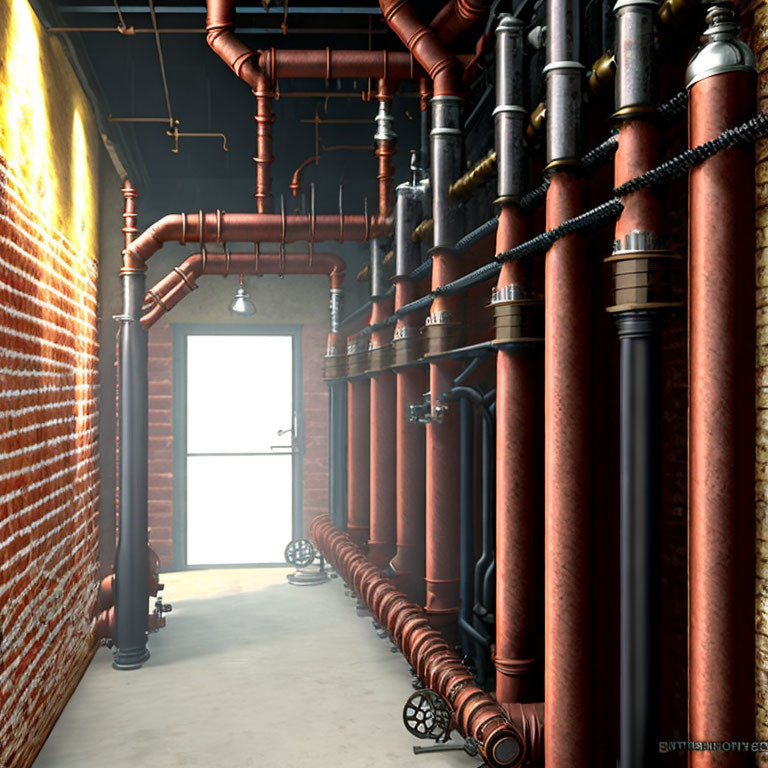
(314, 340)
(160, 380)
(49, 473)
(315, 476)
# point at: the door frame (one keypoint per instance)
(181, 332)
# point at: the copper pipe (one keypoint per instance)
(222, 227)
(721, 424)
(381, 546)
(328, 64)
(129, 213)
(408, 564)
(220, 28)
(516, 378)
(181, 281)
(444, 68)
(358, 459)
(502, 743)
(457, 16)
(567, 507)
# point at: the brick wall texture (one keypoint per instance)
(315, 464)
(49, 473)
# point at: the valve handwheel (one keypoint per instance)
(300, 553)
(426, 715)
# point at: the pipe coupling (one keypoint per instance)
(519, 317)
(385, 123)
(564, 95)
(722, 52)
(337, 300)
(636, 81)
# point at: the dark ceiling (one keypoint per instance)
(206, 97)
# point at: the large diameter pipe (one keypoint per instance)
(457, 16)
(131, 563)
(222, 227)
(567, 414)
(505, 739)
(383, 518)
(337, 453)
(638, 230)
(721, 422)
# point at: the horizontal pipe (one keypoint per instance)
(222, 227)
(178, 283)
(502, 743)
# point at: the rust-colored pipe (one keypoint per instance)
(180, 282)
(358, 459)
(427, 48)
(381, 546)
(220, 28)
(515, 490)
(566, 471)
(503, 743)
(457, 16)
(222, 227)
(721, 427)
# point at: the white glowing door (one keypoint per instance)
(240, 448)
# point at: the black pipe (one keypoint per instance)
(640, 382)
(337, 453)
(132, 559)
(466, 516)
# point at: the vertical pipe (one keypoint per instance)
(721, 420)
(566, 418)
(442, 332)
(408, 563)
(358, 459)
(381, 546)
(638, 320)
(515, 390)
(131, 561)
(265, 117)
(466, 515)
(337, 453)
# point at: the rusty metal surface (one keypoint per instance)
(721, 431)
(567, 493)
(503, 743)
(358, 459)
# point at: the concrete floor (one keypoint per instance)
(250, 671)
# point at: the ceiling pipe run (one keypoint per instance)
(721, 686)
(518, 318)
(220, 29)
(567, 676)
(505, 739)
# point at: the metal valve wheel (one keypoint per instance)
(426, 715)
(300, 553)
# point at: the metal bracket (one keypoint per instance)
(424, 413)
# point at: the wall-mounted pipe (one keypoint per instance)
(131, 560)
(503, 742)
(567, 395)
(518, 319)
(721, 84)
(408, 562)
(383, 519)
(638, 251)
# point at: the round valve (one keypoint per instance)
(427, 716)
(300, 553)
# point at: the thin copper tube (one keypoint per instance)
(381, 546)
(181, 281)
(566, 471)
(516, 378)
(502, 743)
(721, 681)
